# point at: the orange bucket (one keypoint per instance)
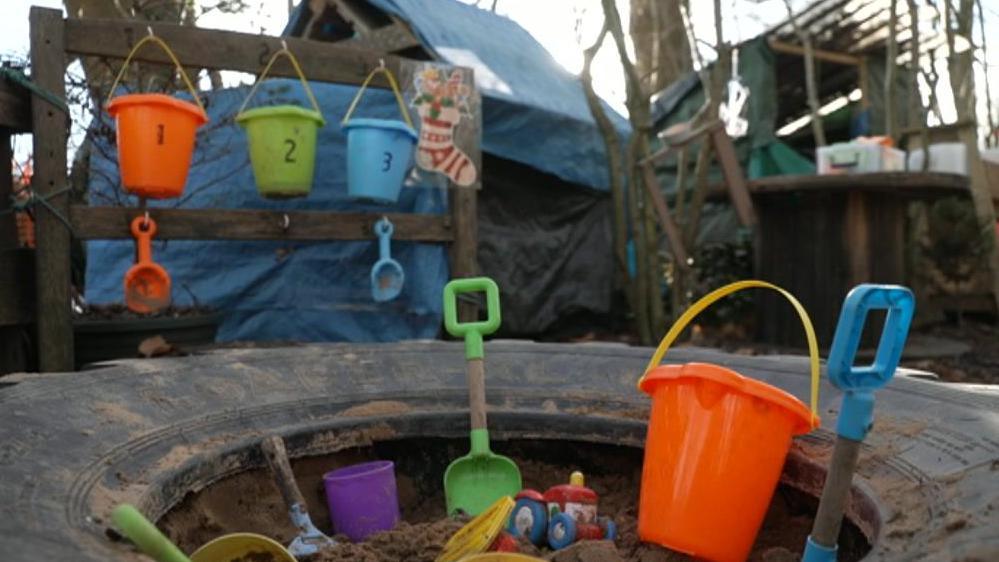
(715, 447)
(156, 135)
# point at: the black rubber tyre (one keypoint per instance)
(149, 431)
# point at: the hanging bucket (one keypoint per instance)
(155, 134)
(379, 151)
(282, 140)
(715, 446)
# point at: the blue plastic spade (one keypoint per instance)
(387, 276)
(856, 415)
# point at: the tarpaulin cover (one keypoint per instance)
(534, 114)
(533, 110)
(279, 290)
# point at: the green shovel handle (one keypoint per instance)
(145, 535)
(471, 331)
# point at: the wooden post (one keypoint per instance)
(52, 262)
(466, 235)
(8, 222)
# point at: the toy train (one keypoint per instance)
(561, 516)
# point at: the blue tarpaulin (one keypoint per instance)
(534, 112)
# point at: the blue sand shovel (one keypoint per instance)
(387, 276)
(858, 384)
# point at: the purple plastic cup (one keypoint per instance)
(362, 499)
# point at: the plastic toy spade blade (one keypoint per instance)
(387, 279)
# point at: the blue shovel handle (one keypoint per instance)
(857, 412)
(859, 383)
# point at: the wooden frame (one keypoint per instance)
(55, 40)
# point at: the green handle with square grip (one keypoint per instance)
(471, 331)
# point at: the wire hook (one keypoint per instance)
(149, 29)
(145, 220)
(285, 222)
(284, 44)
(381, 64)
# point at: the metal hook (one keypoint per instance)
(284, 45)
(149, 29)
(381, 64)
(285, 222)
(145, 221)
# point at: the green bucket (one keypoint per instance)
(282, 140)
(282, 143)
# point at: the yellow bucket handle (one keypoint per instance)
(707, 300)
(173, 58)
(298, 70)
(395, 90)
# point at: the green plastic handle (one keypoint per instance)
(145, 535)
(471, 331)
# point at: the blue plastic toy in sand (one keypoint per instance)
(858, 384)
(387, 276)
(379, 151)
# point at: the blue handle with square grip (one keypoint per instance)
(859, 383)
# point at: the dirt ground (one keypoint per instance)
(249, 502)
(979, 365)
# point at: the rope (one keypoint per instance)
(298, 69)
(173, 58)
(19, 77)
(395, 90)
(26, 205)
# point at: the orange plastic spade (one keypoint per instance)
(147, 285)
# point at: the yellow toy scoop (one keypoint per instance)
(479, 533)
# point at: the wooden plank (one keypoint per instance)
(104, 223)
(857, 238)
(52, 263)
(820, 54)
(736, 182)
(228, 50)
(912, 184)
(666, 221)
(15, 107)
(17, 287)
(464, 259)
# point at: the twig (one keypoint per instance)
(891, 64)
(990, 138)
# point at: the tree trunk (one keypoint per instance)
(661, 50)
(962, 82)
(615, 169)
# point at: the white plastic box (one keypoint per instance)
(949, 157)
(858, 158)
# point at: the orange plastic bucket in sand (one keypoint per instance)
(156, 135)
(715, 446)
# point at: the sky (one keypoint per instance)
(743, 19)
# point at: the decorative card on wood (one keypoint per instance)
(450, 122)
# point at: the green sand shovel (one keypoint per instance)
(475, 481)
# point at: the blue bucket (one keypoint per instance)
(379, 156)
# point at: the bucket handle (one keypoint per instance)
(298, 70)
(173, 58)
(707, 300)
(395, 90)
